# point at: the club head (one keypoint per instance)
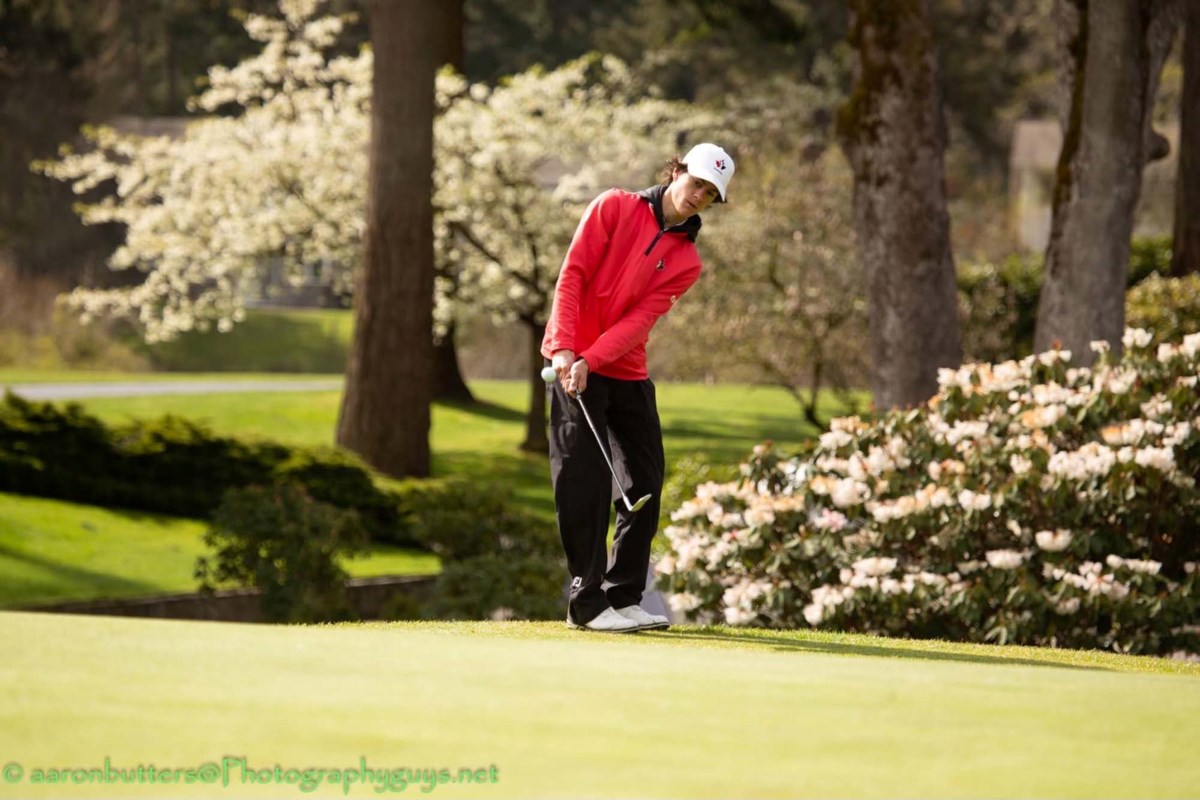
(638, 505)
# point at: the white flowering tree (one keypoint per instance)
(1030, 502)
(279, 180)
(517, 165)
(276, 179)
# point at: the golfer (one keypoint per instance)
(632, 257)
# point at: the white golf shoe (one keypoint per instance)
(608, 621)
(644, 619)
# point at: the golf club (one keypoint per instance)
(549, 375)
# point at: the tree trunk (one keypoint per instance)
(1115, 57)
(1185, 250)
(448, 383)
(535, 421)
(894, 135)
(385, 410)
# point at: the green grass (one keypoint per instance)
(269, 340)
(51, 551)
(722, 423)
(693, 712)
(480, 442)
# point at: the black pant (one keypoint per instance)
(626, 415)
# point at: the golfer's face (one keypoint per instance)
(692, 195)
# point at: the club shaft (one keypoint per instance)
(604, 451)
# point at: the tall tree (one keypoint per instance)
(389, 376)
(893, 132)
(448, 382)
(1185, 250)
(1113, 55)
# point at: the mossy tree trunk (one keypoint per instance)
(893, 132)
(1113, 56)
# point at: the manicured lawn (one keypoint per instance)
(692, 712)
(720, 423)
(51, 551)
(269, 340)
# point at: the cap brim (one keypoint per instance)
(712, 176)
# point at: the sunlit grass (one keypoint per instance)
(691, 712)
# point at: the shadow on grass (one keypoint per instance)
(525, 476)
(785, 643)
(483, 408)
(80, 583)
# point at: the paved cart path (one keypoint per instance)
(80, 391)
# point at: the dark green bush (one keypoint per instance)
(499, 587)
(998, 307)
(1148, 256)
(173, 466)
(498, 561)
(280, 540)
(998, 302)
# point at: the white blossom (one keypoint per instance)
(1005, 559)
(1053, 541)
(1136, 337)
(1159, 458)
(874, 567)
(974, 501)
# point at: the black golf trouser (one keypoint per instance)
(626, 415)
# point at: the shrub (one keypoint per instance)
(282, 541)
(173, 466)
(998, 307)
(683, 478)
(1030, 502)
(1148, 256)
(498, 561)
(1167, 307)
(998, 302)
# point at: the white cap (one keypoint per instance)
(710, 163)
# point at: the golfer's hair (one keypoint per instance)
(673, 164)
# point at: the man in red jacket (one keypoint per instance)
(632, 257)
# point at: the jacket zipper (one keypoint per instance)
(657, 236)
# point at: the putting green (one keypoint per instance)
(693, 712)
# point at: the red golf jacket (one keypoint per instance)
(622, 272)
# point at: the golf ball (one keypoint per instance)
(548, 374)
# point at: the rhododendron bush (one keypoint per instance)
(1029, 502)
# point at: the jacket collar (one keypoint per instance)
(653, 196)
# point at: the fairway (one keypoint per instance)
(693, 712)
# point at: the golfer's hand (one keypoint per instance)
(562, 362)
(577, 378)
